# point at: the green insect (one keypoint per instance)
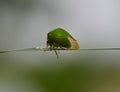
(59, 38)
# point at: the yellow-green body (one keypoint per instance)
(61, 38)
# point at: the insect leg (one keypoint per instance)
(56, 53)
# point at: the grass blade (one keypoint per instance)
(47, 49)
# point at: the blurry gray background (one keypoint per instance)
(25, 23)
(93, 23)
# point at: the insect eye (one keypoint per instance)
(47, 42)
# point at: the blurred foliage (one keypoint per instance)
(83, 75)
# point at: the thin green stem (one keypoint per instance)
(47, 49)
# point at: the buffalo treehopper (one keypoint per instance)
(61, 39)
